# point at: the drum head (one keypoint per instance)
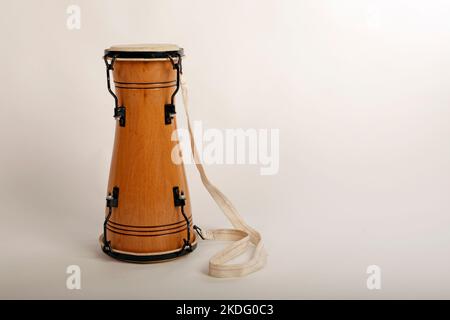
(144, 51)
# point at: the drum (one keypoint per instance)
(148, 213)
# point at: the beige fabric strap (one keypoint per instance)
(242, 236)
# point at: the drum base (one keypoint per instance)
(145, 257)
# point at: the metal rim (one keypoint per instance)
(143, 54)
(147, 259)
(140, 258)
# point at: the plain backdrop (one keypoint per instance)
(357, 88)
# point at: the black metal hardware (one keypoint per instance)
(199, 231)
(179, 200)
(178, 197)
(112, 201)
(169, 109)
(169, 113)
(119, 112)
(187, 242)
(110, 66)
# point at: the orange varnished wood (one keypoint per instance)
(146, 220)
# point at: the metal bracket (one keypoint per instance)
(117, 110)
(179, 200)
(119, 114)
(199, 231)
(112, 201)
(169, 113)
(169, 109)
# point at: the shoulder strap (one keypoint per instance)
(242, 235)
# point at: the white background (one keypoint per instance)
(358, 89)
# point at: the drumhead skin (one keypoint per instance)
(144, 51)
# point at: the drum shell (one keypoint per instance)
(146, 220)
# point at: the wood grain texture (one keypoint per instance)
(146, 220)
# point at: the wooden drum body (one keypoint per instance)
(148, 213)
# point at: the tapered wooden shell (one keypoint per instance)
(146, 220)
